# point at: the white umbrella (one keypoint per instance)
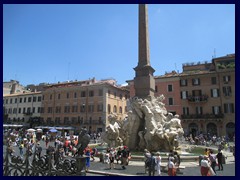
(31, 130)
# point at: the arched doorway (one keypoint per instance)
(193, 129)
(230, 130)
(212, 129)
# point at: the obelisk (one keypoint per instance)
(144, 82)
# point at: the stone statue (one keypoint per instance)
(83, 141)
(147, 126)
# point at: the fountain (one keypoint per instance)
(148, 125)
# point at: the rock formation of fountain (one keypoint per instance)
(147, 126)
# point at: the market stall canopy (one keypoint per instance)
(31, 130)
(39, 130)
(53, 130)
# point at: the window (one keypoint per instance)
(82, 108)
(58, 109)
(50, 97)
(29, 99)
(19, 110)
(115, 109)
(49, 109)
(83, 93)
(91, 93)
(39, 98)
(14, 110)
(120, 109)
(227, 91)
(109, 93)
(6, 101)
(214, 92)
(28, 110)
(75, 95)
(156, 89)
(34, 99)
(20, 100)
(184, 94)
(100, 92)
(170, 88)
(214, 80)
(229, 108)
(39, 110)
(170, 101)
(10, 101)
(100, 107)
(59, 96)
(25, 99)
(91, 108)
(74, 108)
(33, 110)
(67, 95)
(15, 100)
(185, 110)
(115, 94)
(196, 81)
(199, 110)
(24, 110)
(183, 82)
(226, 79)
(109, 108)
(66, 109)
(215, 110)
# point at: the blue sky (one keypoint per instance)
(51, 43)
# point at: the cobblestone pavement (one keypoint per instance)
(136, 168)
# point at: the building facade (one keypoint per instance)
(203, 95)
(83, 104)
(13, 87)
(22, 108)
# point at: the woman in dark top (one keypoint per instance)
(219, 158)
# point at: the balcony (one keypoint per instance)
(202, 116)
(196, 99)
(92, 122)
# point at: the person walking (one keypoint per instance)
(88, 155)
(205, 166)
(124, 156)
(219, 159)
(213, 158)
(111, 158)
(151, 165)
(21, 148)
(158, 163)
(147, 156)
(171, 167)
